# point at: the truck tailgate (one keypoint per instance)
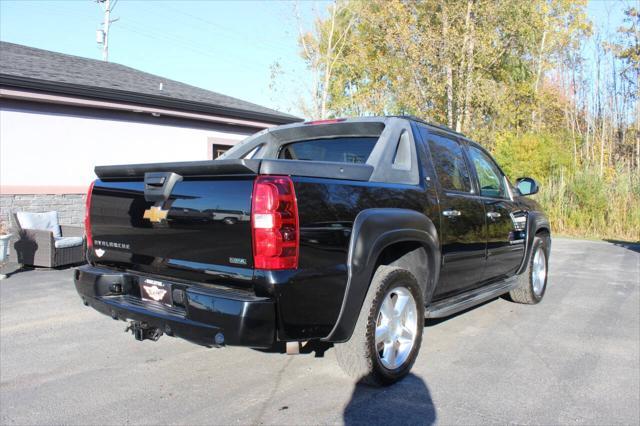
(201, 232)
(198, 229)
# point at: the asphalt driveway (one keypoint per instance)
(574, 358)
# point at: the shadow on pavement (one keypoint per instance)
(406, 402)
(626, 244)
(11, 268)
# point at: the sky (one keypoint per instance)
(608, 15)
(224, 46)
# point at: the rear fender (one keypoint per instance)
(373, 231)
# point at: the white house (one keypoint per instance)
(61, 115)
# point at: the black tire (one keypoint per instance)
(358, 357)
(524, 292)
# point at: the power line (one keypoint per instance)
(183, 43)
(131, 25)
(210, 25)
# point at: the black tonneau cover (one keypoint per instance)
(186, 168)
(321, 169)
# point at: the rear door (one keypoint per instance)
(462, 216)
(505, 246)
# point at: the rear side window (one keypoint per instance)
(341, 150)
(449, 163)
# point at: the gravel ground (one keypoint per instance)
(574, 358)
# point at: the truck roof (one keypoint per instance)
(374, 118)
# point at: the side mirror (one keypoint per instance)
(527, 186)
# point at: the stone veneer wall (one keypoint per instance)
(70, 207)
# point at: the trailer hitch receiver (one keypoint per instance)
(142, 331)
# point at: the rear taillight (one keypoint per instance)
(274, 218)
(87, 217)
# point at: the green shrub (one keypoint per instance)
(578, 201)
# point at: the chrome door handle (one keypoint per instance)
(451, 213)
(493, 215)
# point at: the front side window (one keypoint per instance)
(490, 178)
(449, 163)
(342, 150)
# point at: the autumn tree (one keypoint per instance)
(511, 74)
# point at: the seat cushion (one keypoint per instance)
(65, 242)
(42, 221)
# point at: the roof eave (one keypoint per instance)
(140, 98)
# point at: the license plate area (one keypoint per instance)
(156, 291)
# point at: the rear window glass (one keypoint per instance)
(341, 150)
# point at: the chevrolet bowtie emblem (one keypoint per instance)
(155, 214)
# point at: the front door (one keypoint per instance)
(462, 217)
(505, 247)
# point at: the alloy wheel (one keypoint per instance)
(396, 327)
(539, 271)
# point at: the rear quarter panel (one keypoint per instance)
(309, 299)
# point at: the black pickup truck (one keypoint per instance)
(347, 231)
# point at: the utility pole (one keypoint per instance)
(102, 36)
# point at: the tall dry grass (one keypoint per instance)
(587, 205)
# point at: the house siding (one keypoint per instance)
(48, 152)
(70, 207)
(58, 146)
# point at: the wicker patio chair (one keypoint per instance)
(42, 247)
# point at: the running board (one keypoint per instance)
(460, 302)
